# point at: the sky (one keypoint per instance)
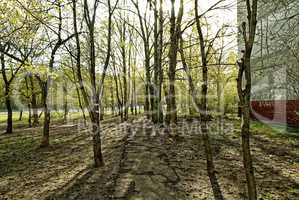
(216, 18)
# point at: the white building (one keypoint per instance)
(275, 60)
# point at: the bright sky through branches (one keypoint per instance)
(225, 13)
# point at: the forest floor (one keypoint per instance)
(145, 162)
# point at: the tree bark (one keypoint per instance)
(9, 110)
(46, 123)
(7, 95)
(112, 100)
(145, 34)
(80, 104)
(147, 88)
(94, 104)
(220, 109)
(175, 31)
(33, 102)
(119, 101)
(134, 86)
(157, 114)
(47, 84)
(204, 111)
(171, 103)
(21, 115)
(124, 63)
(155, 96)
(160, 64)
(244, 79)
(29, 115)
(65, 102)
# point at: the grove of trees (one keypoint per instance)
(163, 59)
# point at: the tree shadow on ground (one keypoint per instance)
(143, 162)
(27, 171)
(276, 173)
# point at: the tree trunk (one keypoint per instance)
(204, 111)
(65, 102)
(21, 115)
(205, 135)
(6, 95)
(247, 158)
(34, 111)
(97, 143)
(157, 114)
(119, 103)
(54, 95)
(147, 87)
(171, 103)
(46, 124)
(124, 65)
(175, 32)
(134, 86)
(244, 74)
(47, 84)
(33, 102)
(96, 90)
(134, 95)
(112, 100)
(155, 85)
(29, 116)
(160, 64)
(244, 96)
(130, 79)
(204, 126)
(220, 110)
(145, 33)
(29, 102)
(80, 104)
(9, 110)
(122, 99)
(102, 113)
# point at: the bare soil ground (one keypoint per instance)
(144, 162)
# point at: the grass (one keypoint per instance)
(15, 117)
(56, 117)
(294, 191)
(278, 131)
(275, 130)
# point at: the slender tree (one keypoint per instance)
(145, 34)
(175, 31)
(248, 31)
(204, 52)
(94, 102)
(46, 84)
(8, 79)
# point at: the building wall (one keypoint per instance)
(275, 60)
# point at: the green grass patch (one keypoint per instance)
(274, 130)
(15, 117)
(294, 192)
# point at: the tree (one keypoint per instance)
(93, 103)
(157, 111)
(122, 29)
(248, 31)
(204, 52)
(145, 34)
(46, 84)
(175, 31)
(16, 45)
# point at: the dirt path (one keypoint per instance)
(154, 166)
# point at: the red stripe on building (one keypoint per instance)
(277, 111)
